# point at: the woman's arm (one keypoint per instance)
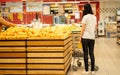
(6, 23)
(82, 30)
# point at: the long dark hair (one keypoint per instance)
(87, 9)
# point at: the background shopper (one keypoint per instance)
(89, 24)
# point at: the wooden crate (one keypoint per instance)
(35, 56)
(49, 56)
(12, 57)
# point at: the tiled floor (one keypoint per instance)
(107, 54)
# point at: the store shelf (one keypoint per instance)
(118, 30)
(68, 8)
(118, 42)
(118, 25)
(54, 8)
(111, 29)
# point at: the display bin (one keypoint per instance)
(49, 56)
(35, 56)
(12, 57)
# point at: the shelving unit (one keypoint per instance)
(111, 30)
(118, 26)
(69, 7)
(118, 32)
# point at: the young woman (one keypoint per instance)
(89, 24)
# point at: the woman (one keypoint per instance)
(89, 24)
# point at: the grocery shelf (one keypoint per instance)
(118, 25)
(118, 36)
(118, 42)
(118, 31)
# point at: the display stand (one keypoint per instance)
(35, 56)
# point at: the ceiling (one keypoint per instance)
(108, 0)
(101, 0)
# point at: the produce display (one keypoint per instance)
(49, 32)
(36, 57)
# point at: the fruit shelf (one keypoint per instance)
(36, 56)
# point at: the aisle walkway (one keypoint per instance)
(107, 54)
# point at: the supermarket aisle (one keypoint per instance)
(107, 54)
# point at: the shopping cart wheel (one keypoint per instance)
(96, 68)
(79, 63)
(74, 67)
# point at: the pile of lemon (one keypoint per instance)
(49, 32)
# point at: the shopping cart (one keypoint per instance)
(77, 51)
